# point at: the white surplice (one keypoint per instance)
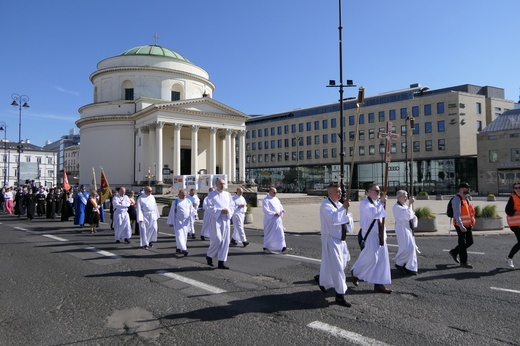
(373, 264)
(407, 254)
(180, 217)
(121, 222)
(274, 237)
(239, 233)
(195, 201)
(147, 216)
(334, 251)
(219, 223)
(205, 230)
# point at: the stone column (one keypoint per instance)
(159, 150)
(228, 155)
(145, 159)
(177, 149)
(151, 150)
(194, 148)
(212, 156)
(233, 157)
(242, 155)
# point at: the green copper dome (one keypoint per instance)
(155, 51)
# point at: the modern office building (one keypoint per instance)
(59, 147)
(499, 154)
(71, 162)
(300, 149)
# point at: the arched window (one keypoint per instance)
(176, 92)
(127, 90)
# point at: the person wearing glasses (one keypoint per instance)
(373, 264)
(463, 220)
(513, 220)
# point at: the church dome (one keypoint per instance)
(154, 50)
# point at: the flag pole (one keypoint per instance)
(94, 174)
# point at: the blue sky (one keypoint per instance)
(264, 56)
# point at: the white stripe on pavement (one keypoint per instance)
(300, 257)
(103, 252)
(355, 338)
(470, 252)
(22, 229)
(54, 237)
(504, 289)
(192, 282)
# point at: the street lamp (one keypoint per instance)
(3, 127)
(298, 138)
(19, 101)
(412, 129)
(382, 151)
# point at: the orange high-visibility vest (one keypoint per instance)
(514, 220)
(467, 213)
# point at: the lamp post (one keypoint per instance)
(298, 138)
(3, 127)
(412, 128)
(19, 101)
(408, 118)
(382, 151)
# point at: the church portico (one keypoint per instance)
(167, 123)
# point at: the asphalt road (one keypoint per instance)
(62, 287)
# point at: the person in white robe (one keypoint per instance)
(373, 264)
(274, 237)
(180, 219)
(239, 234)
(121, 222)
(406, 257)
(220, 208)
(195, 200)
(147, 216)
(205, 230)
(334, 215)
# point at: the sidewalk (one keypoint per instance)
(304, 218)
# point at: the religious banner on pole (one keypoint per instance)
(66, 185)
(105, 188)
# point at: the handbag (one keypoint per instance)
(361, 239)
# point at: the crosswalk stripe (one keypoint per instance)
(192, 282)
(355, 338)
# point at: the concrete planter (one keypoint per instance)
(491, 199)
(248, 218)
(485, 224)
(422, 197)
(438, 198)
(426, 225)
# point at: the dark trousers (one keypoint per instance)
(516, 247)
(465, 241)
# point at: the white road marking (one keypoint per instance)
(165, 233)
(469, 252)
(103, 252)
(192, 282)
(355, 338)
(299, 257)
(22, 229)
(394, 245)
(54, 237)
(504, 289)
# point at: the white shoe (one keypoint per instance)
(510, 263)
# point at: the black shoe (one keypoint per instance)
(340, 300)
(185, 253)
(178, 250)
(127, 241)
(118, 241)
(454, 256)
(355, 279)
(202, 237)
(266, 250)
(221, 265)
(317, 278)
(209, 260)
(233, 241)
(382, 289)
(245, 243)
(322, 288)
(410, 272)
(193, 236)
(145, 247)
(466, 265)
(401, 269)
(150, 245)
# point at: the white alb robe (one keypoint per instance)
(205, 230)
(180, 217)
(219, 223)
(121, 222)
(195, 200)
(334, 251)
(274, 237)
(239, 233)
(147, 216)
(407, 254)
(373, 264)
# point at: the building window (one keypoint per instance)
(316, 125)
(515, 154)
(351, 151)
(279, 130)
(266, 157)
(351, 120)
(309, 126)
(273, 144)
(393, 148)
(403, 147)
(309, 140)
(259, 133)
(300, 127)
(325, 153)
(334, 152)
(49, 160)
(370, 118)
(441, 126)
(415, 111)
(175, 95)
(479, 125)
(403, 130)
(404, 113)
(333, 123)
(248, 134)
(286, 156)
(381, 116)
(416, 146)
(280, 143)
(293, 155)
(440, 108)
(416, 129)
(361, 118)
(361, 151)
(351, 135)
(428, 109)
(293, 142)
(129, 94)
(317, 153)
(479, 108)
(391, 114)
(273, 131)
(371, 133)
(493, 155)
(286, 129)
(428, 127)
(260, 157)
(441, 144)
(248, 146)
(325, 139)
(309, 154)
(333, 137)
(273, 157)
(371, 150)
(253, 133)
(253, 145)
(266, 132)
(286, 142)
(253, 158)
(361, 135)
(259, 145)
(293, 128)
(279, 156)
(428, 145)
(317, 139)
(324, 124)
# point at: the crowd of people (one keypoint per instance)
(139, 216)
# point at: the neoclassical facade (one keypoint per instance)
(154, 117)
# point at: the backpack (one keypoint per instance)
(449, 210)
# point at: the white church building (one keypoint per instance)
(153, 117)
